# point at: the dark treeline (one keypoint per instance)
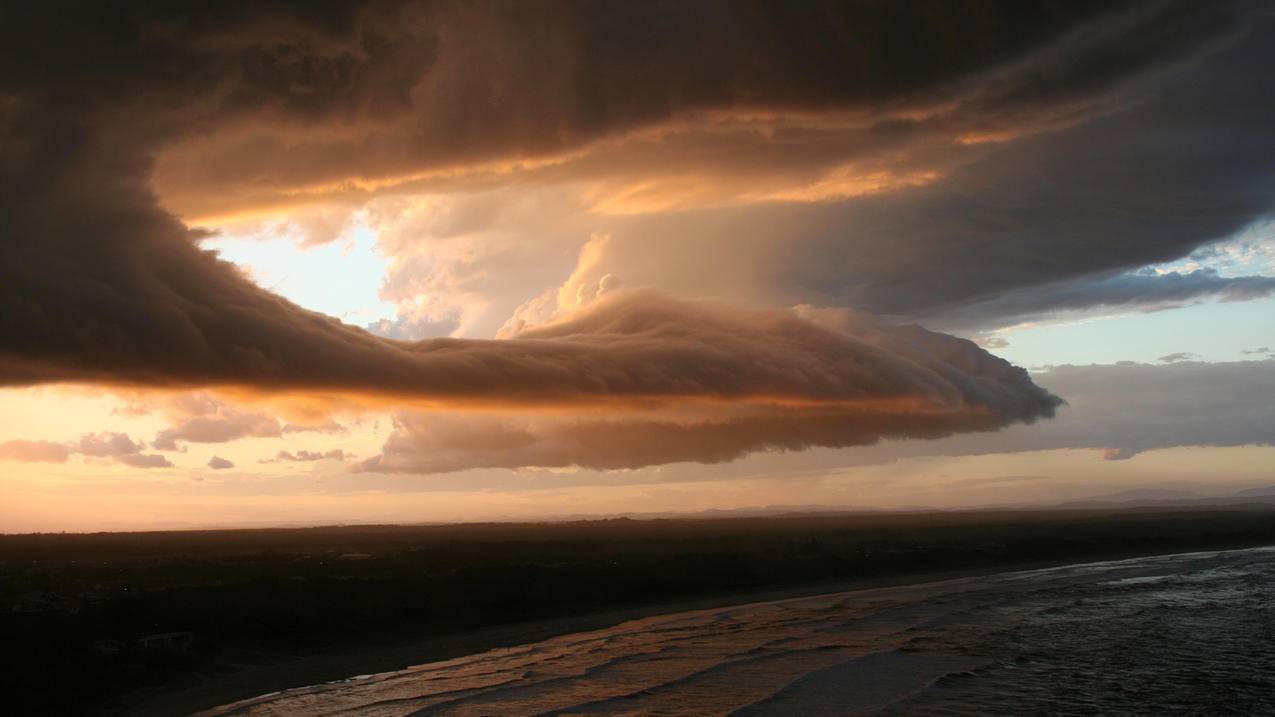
(93, 622)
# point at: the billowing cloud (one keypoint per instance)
(1000, 158)
(869, 382)
(1115, 411)
(637, 347)
(150, 308)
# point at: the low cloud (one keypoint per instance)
(1125, 409)
(106, 445)
(217, 422)
(35, 451)
(1115, 412)
(798, 379)
(145, 460)
(322, 426)
(336, 454)
(218, 463)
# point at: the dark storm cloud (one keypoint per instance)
(1055, 221)
(499, 81)
(99, 283)
(1132, 291)
(1191, 164)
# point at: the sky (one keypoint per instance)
(273, 263)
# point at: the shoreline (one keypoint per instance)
(218, 690)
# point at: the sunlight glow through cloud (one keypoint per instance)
(341, 278)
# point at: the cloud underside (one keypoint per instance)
(427, 443)
(1126, 409)
(102, 284)
(1118, 411)
(632, 350)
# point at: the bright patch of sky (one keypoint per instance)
(341, 278)
(1213, 331)
(1249, 253)
(1207, 331)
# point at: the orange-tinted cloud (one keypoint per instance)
(101, 284)
(869, 382)
(117, 447)
(35, 451)
(304, 456)
(218, 463)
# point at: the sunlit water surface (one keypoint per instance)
(1183, 634)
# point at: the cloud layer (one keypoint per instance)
(1124, 409)
(822, 379)
(913, 160)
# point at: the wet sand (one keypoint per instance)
(215, 690)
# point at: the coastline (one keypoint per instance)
(217, 690)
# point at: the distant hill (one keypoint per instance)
(1163, 497)
(1264, 492)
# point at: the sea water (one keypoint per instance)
(1180, 634)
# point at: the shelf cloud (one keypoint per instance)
(919, 161)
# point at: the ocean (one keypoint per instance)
(1190, 634)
